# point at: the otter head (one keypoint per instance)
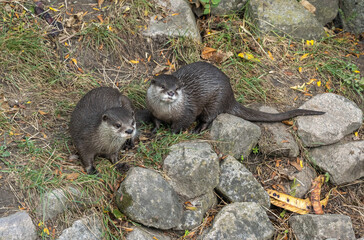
(167, 88)
(119, 122)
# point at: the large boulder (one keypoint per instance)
(228, 6)
(341, 118)
(234, 135)
(240, 220)
(344, 162)
(237, 184)
(145, 197)
(285, 17)
(143, 233)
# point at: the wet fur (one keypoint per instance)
(204, 93)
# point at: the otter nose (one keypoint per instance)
(170, 93)
(129, 131)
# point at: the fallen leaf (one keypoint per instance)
(306, 4)
(54, 9)
(304, 56)
(100, 2)
(72, 176)
(270, 55)
(288, 73)
(100, 18)
(288, 122)
(74, 60)
(300, 69)
(315, 194)
(318, 83)
(248, 56)
(296, 165)
(134, 61)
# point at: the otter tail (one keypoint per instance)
(258, 116)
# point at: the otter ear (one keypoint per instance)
(105, 117)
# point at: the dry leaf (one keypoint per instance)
(270, 55)
(315, 194)
(298, 205)
(311, 8)
(72, 176)
(100, 2)
(207, 52)
(42, 112)
(304, 56)
(100, 18)
(296, 165)
(134, 61)
(288, 122)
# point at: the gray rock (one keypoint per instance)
(193, 218)
(303, 180)
(17, 226)
(341, 118)
(142, 233)
(174, 25)
(344, 162)
(145, 197)
(352, 15)
(237, 184)
(276, 140)
(235, 135)
(88, 228)
(319, 227)
(57, 201)
(228, 6)
(192, 168)
(285, 17)
(326, 10)
(240, 220)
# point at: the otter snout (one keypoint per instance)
(129, 131)
(170, 93)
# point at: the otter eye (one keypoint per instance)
(117, 125)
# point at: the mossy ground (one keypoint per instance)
(43, 77)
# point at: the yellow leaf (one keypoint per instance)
(67, 56)
(356, 71)
(356, 134)
(40, 223)
(96, 9)
(248, 56)
(311, 81)
(303, 204)
(191, 208)
(301, 164)
(45, 230)
(175, 14)
(310, 42)
(11, 133)
(270, 55)
(300, 69)
(74, 60)
(29, 102)
(304, 56)
(53, 9)
(134, 61)
(65, 43)
(319, 83)
(146, 13)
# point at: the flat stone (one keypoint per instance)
(342, 117)
(88, 228)
(241, 220)
(318, 227)
(344, 162)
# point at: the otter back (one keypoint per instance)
(199, 92)
(100, 124)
